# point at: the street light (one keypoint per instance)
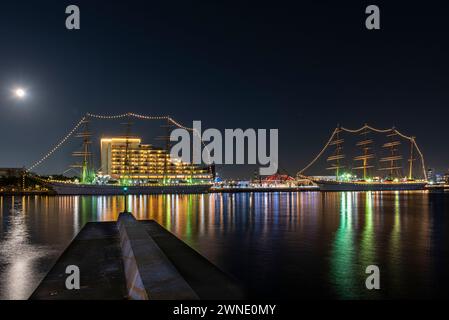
(125, 190)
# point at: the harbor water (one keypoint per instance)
(286, 245)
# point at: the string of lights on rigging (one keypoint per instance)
(110, 117)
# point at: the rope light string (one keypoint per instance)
(57, 146)
(139, 116)
(99, 116)
(320, 153)
(135, 115)
(366, 126)
(195, 131)
(422, 158)
(176, 123)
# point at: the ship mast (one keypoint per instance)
(393, 158)
(337, 156)
(410, 160)
(85, 153)
(365, 145)
(127, 162)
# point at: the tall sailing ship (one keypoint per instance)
(128, 166)
(361, 176)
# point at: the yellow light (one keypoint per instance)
(120, 139)
(20, 93)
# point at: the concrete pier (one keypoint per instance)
(148, 271)
(96, 251)
(131, 259)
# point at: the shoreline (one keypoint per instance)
(217, 190)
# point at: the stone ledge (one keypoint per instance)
(149, 273)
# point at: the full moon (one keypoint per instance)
(20, 93)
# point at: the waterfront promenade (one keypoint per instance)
(434, 188)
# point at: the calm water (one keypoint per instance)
(279, 245)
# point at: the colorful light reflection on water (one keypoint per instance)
(279, 245)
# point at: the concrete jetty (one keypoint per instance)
(138, 260)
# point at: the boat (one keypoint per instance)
(329, 185)
(69, 188)
(360, 175)
(126, 171)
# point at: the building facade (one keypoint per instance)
(127, 158)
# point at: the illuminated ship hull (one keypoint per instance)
(61, 188)
(332, 185)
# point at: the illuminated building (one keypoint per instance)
(127, 158)
(431, 175)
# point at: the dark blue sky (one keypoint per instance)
(298, 66)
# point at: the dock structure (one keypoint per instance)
(136, 260)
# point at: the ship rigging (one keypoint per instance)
(368, 169)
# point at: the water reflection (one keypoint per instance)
(395, 244)
(368, 244)
(278, 244)
(19, 257)
(343, 253)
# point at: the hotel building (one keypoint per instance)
(146, 163)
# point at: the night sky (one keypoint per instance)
(301, 67)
